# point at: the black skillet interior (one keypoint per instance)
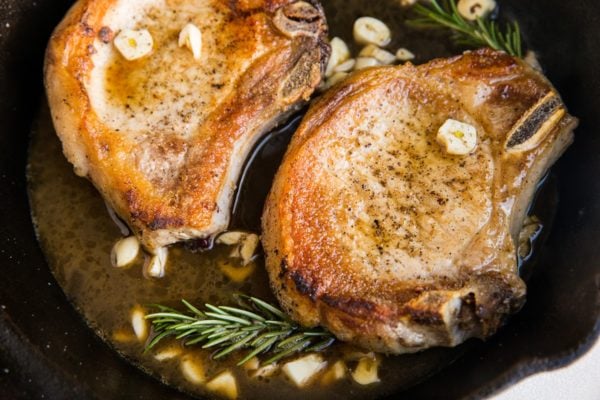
(47, 351)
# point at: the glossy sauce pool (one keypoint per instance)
(77, 235)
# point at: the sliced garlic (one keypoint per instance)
(265, 371)
(335, 78)
(354, 355)
(125, 251)
(191, 37)
(224, 384)
(407, 3)
(532, 59)
(139, 323)
(383, 56)
(302, 370)
(193, 370)
(167, 354)
(457, 138)
(339, 54)
(124, 336)
(531, 229)
(336, 372)
(365, 62)
(346, 66)
(155, 265)
(231, 238)
(134, 44)
(248, 248)
(235, 252)
(473, 9)
(404, 55)
(366, 371)
(252, 364)
(368, 30)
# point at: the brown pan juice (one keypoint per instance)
(77, 235)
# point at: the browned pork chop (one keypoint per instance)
(164, 137)
(374, 231)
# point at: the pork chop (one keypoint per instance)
(164, 137)
(373, 230)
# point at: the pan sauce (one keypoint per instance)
(77, 234)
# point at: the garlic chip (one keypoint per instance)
(381, 55)
(473, 9)
(339, 54)
(191, 37)
(368, 30)
(404, 55)
(134, 44)
(457, 138)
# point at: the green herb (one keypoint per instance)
(482, 32)
(255, 325)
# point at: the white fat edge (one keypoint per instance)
(238, 159)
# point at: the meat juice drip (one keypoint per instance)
(77, 234)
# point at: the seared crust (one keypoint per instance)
(372, 231)
(164, 138)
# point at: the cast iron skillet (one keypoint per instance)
(47, 351)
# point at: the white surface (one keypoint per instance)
(580, 381)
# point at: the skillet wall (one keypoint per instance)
(46, 349)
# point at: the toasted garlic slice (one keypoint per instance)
(531, 58)
(302, 370)
(407, 3)
(354, 355)
(473, 9)
(368, 30)
(155, 265)
(248, 248)
(404, 55)
(265, 371)
(366, 371)
(335, 78)
(346, 66)
(231, 238)
(365, 62)
(191, 37)
(168, 354)
(339, 54)
(125, 251)
(134, 44)
(336, 372)
(252, 364)
(224, 384)
(124, 336)
(457, 138)
(139, 323)
(193, 370)
(383, 56)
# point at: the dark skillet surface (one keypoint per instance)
(47, 351)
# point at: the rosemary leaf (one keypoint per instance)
(482, 32)
(255, 325)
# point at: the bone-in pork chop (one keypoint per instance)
(376, 231)
(163, 137)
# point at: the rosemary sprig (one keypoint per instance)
(255, 325)
(482, 32)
